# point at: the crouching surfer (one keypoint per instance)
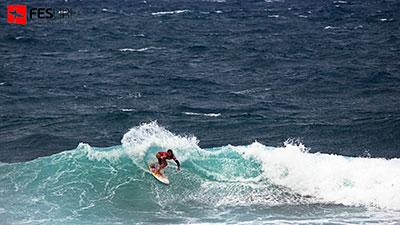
(162, 160)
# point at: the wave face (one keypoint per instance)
(220, 184)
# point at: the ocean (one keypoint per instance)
(280, 112)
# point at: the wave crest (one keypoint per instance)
(138, 140)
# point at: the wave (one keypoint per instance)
(90, 182)
(330, 178)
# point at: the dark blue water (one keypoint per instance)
(325, 73)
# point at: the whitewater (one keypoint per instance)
(249, 184)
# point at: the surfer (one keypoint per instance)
(162, 160)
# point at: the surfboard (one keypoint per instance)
(160, 177)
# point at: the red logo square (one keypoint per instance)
(16, 14)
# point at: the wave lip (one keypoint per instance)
(138, 140)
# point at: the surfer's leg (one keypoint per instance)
(161, 165)
(159, 161)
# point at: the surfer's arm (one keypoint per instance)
(178, 164)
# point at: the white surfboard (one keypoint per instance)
(159, 176)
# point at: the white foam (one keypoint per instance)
(358, 27)
(108, 10)
(218, 1)
(92, 154)
(139, 49)
(329, 27)
(386, 20)
(170, 12)
(137, 141)
(331, 178)
(127, 110)
(252, 91)
(202, 114)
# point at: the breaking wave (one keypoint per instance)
(113, 182)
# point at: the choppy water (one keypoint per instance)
(235, 79)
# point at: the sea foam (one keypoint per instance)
(331, 178)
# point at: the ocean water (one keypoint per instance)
(229, 184)
(281, 112)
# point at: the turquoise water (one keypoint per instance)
(229, 184)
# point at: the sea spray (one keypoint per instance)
(138, 140)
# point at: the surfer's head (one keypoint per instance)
(170, 152)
